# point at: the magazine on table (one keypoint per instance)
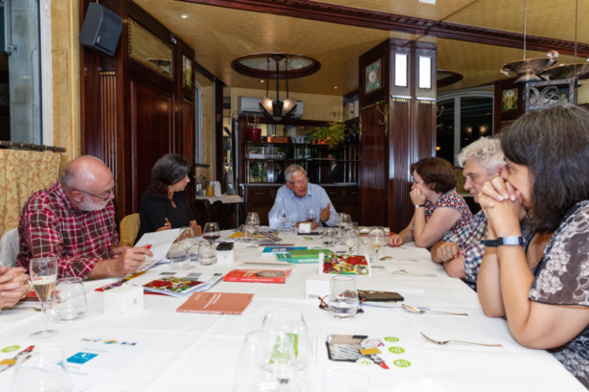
(177, 283)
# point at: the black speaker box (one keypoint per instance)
(101, 29)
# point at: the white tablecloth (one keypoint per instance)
(198, 352)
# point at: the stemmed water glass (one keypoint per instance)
(254, 219)
(42, 371)
(377, 239)
(282, 217)
(292, 323)
(346, 219)
(266, 362)
(43, 271)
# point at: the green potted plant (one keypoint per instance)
(333, 133)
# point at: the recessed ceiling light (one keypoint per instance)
(335, 87)
(184, 16)
(428, 1)
(262, 81)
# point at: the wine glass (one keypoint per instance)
(254, 218)
(43, 271)
(282, 217)
(346, 219)
(377, 239)
(265, 363)
(292, 323)
(311, 214)
(211, 232)
(42, 371)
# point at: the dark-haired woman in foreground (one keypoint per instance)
(164, 205)
(537, 274)
(438, 207)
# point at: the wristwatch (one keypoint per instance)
(419, 205)
(513, 240)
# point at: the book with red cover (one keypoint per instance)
(257, 275)
(221, 303)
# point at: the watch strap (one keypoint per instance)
(513, 240)
(419, 205)
(490, 243)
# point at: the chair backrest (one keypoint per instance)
(9, 248)
(129, 227)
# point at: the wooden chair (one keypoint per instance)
(129, 227)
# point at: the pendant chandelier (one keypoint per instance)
(527, 69)
(277, 109)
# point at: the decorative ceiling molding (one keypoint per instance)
(331, 13)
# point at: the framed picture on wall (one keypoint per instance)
(373, 76)
(509, 98)
(187, 72)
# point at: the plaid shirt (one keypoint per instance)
(469, 241)
(50, 225)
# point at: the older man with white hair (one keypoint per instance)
(461, 254)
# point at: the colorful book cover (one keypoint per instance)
(333, 264)
(175, 286)
(270, 251)
(257, 275)
(303, 256)
(220, 303)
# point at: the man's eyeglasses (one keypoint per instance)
(299, 182)
(105, 195)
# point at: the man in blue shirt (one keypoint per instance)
(297, 197)
(461, 254)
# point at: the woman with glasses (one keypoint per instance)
(535, 272)
(438, 207)
(164, 205)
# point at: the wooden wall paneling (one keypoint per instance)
(400, 206)
(152, 124)
(188, 150)
(373, 168)
(425, 95)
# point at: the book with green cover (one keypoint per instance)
(302, 256)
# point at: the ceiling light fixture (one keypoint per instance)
(527, 69)
(277, 109)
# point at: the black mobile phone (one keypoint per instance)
(380, 296)
(225, 246)
(311, 233)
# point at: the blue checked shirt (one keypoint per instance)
(469, 240)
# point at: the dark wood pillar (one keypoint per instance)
(397, 109)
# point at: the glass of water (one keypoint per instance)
(69, 300)
(343, 299)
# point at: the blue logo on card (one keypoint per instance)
(81, 358)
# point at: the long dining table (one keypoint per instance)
(172, 351)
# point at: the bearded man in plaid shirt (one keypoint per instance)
(74, 220)
(461, 254)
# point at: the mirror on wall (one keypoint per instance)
(150, 51)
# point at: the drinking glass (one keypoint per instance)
(377, 239)
(178, 255)
(291, 322)
(69, 300)
(253, 218)
(249, 229)
(346, 219)
(311, 214)
(207, 253)
(343, 299)
(345, 380)
(329, 236)
(282, 217)
(350, 239)
(42, 371)
(43, 271)
(265, 362)
(211, 232)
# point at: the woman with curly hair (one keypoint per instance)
(438, 207)
(164, 205)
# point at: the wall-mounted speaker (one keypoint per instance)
(101, 29)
